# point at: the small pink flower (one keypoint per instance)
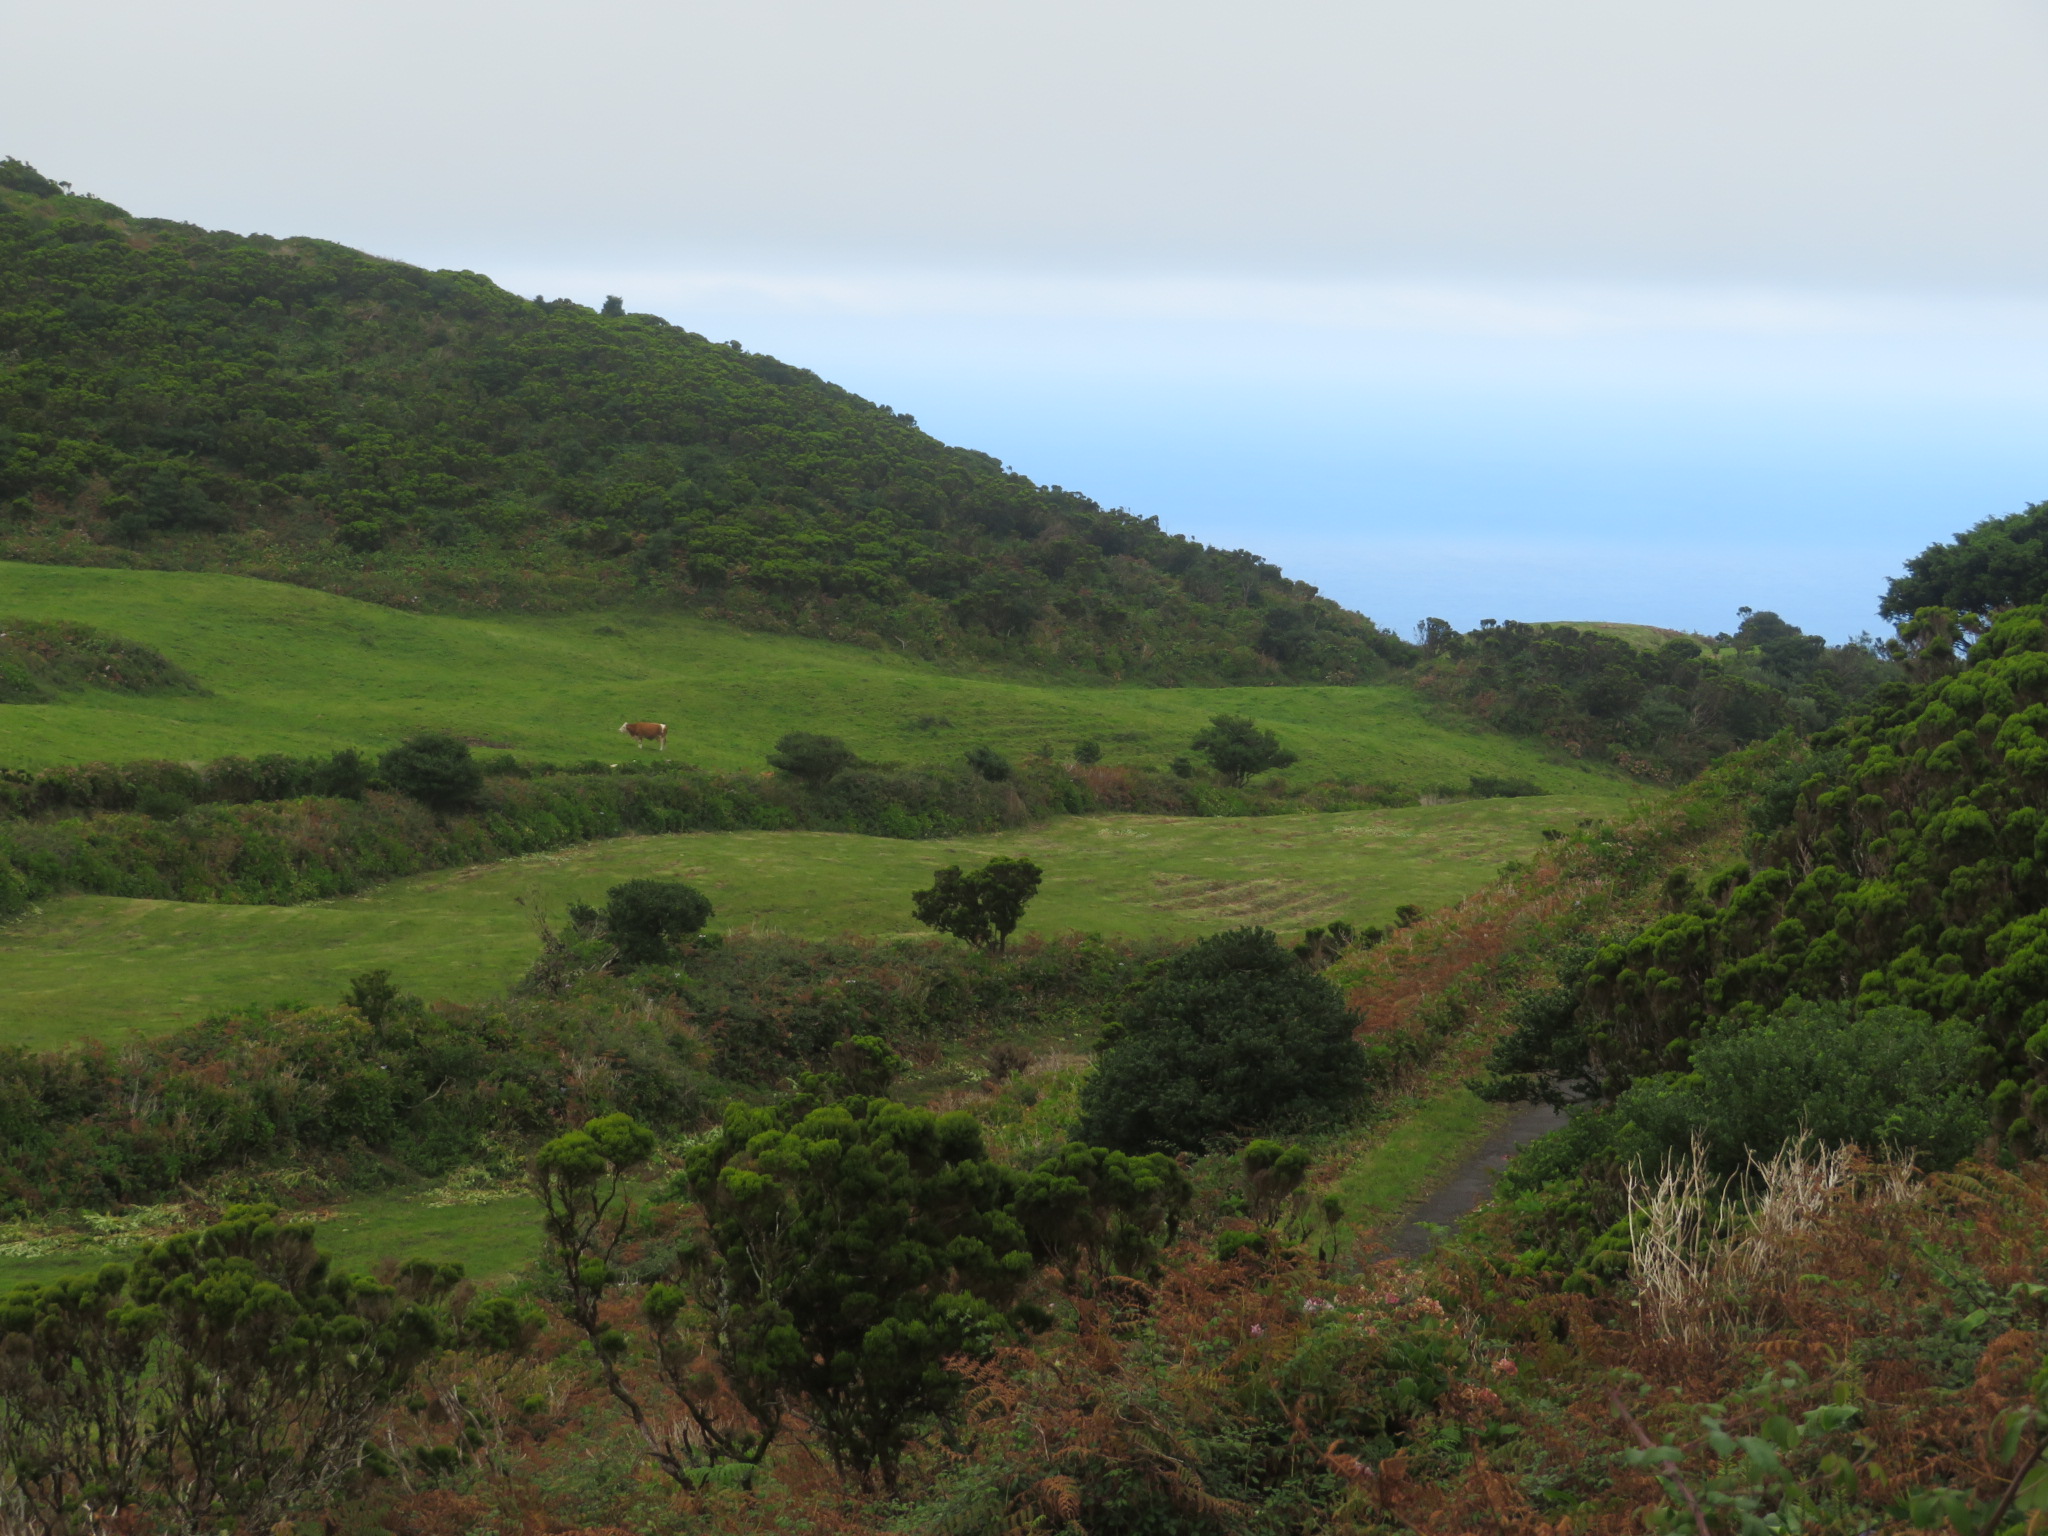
(1504, 1366)
(1258, 1330)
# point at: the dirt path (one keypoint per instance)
(1471, 1182)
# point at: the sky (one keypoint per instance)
(1638, 310)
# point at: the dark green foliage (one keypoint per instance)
(1663, 713)
(1911, 868)
(42, 661)
(814, 759)
(292, 850)
(769, 1007)
(1182, 768)
(20, 176)
(1998, 564)
(226, 1377)
(1272, 1174)
(374, 995)
(323, 1094)
(1232, 1036)
(1547, 1056)
(1889, 1080)
(1237, 748)
(1407, 915)
(856, 1246)
(989, 763)
(614, 307)
(1321, 947)
(646, 918)
(14, 891)
(86, 787)
(407, 435)
(1087, 753)
(434, 769)
(983, 908)
(865, 1065)
(1487, 788)
(1093, 1213)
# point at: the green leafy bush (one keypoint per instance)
(645, 918)
(436, 770)
(1232, 1036)
(814, 759)
(989, 763)
(1889, 1080)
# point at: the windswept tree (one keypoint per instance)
(1237, 749)
(983, 908)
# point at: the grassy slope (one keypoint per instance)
(102, 965)
(292, 670)
(1646, 637)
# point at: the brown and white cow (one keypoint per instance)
(644, 731)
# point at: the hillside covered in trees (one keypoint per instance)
(293, 409)
(1662, 713)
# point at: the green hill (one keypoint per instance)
(177, 398)
(292, 671)
(96, 965)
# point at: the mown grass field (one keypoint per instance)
(297, 671)
(89, 965)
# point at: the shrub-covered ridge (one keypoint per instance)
(297, 410)
(1905, 862)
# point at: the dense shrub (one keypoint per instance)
(645, 918)
(1889, 1080)
(41, 660)
(434, 769)
(1233, 1036)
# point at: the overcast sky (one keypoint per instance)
(1480, 308)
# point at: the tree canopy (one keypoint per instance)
(1996, 564)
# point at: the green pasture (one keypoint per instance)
(94, 965)
(292, 670)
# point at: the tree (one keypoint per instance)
(1087, 753)
(989, 763)
(581, 1181)
(613, 305)
(1095, 1213)
(850, 1249)
(2001, 562)
(228, 1375)
(1237, 748)
(434, 769)
(812, 758)
(645, 918)
(983, 908)
(1230, 1036)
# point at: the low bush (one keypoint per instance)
(1888, 1080)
